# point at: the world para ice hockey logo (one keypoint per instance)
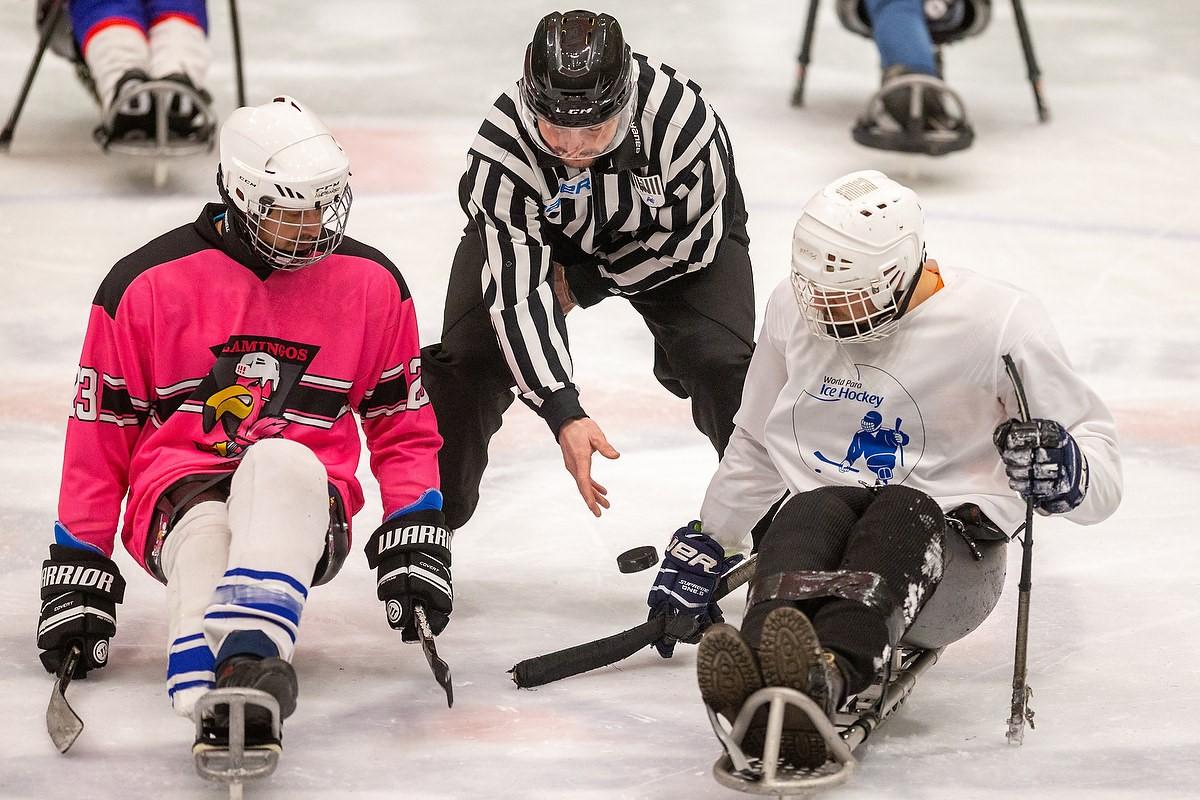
(863, 428)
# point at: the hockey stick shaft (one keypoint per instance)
(585, 657)
(1019, 711)
(55, 12)
(1035, 73)
(239, 75)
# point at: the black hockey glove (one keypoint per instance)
(80, 592)
(1043, 462)
(411, 554)
(691, 569)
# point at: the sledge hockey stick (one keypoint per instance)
(6, 135)
(585, 657)
(441, 670)
(1021, 691)
(62, 723)
(239, 76)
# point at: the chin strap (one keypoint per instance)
(906, 298)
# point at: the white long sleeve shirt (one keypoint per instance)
(917, 408)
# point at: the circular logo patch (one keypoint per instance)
(395, 611)
(100, 652)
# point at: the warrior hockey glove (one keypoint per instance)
(1043, 462)
(691, 569)
(411, 554)
(80, 592)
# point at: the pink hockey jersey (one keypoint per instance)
(191, 356)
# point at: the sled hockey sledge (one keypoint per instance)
(54, 31)
(848, 729)
(231, 759)
(877, 128)
(165, 144)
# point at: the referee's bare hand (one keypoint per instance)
(578, 439)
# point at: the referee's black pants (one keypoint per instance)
(703, 328)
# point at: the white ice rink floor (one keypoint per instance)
(1096, 212)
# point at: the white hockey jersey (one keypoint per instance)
(917, 408)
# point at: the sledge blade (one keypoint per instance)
(62, 723)
(441, 670)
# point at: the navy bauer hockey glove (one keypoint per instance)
(1043, 462)
(411, 554)
(691, 569)
(80, 592)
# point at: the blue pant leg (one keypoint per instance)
(194, 10)
(902, 35)
(88, 16)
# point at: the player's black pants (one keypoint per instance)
(703, 328)
(895, 532)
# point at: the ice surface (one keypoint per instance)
(1096, 212)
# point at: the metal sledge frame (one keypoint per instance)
(233, 765)
(1031, 64)
(843, 734)
(934, 143)
(161, 146)
(54, 14)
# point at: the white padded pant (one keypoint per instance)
(245, 564)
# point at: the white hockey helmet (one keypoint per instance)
(285, 181)
(259, 367)
(856, 253)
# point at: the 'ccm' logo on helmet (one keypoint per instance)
(691, 556)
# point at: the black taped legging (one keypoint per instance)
(892, 532)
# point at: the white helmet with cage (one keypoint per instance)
(285, 180)
(856, 254)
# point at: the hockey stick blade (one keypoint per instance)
(540, 670)
(441, 670)
(62, 723)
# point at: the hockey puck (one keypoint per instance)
(637, 559)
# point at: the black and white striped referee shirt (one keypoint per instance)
(654, 209)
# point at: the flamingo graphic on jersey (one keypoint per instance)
(238, 408)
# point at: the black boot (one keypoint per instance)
(271, 675)
(134, 115)
(727, 670)
(274, 676)
(185, 119)
(897, 103)
(791, 656)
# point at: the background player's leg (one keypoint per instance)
(111, 35)
(178, 33)
(194, 556)
(902, 35)
(468, 382)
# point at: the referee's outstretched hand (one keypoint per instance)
(579, 438)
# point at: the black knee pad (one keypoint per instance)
(823, 518)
